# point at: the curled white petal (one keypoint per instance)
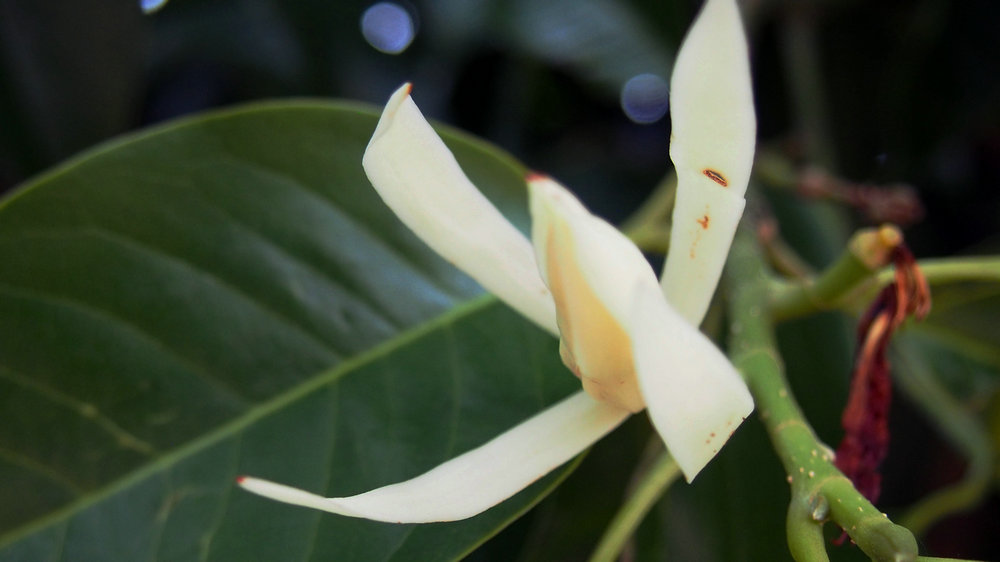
(694, 395)
(589, 267)
(418, 178)
(477, 480)
(712, 146)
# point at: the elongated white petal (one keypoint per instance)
(712, 146)
(694, 395)
(477, 480)
(703, 226)
(711, 100)
(418, 178)
(589, 266)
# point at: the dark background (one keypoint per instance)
(909, 90)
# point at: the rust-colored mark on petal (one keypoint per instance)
(716, 177)
(535, 176)
(703, 223)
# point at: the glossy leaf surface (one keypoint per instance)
(227, 295)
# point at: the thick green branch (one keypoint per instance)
(819, 490)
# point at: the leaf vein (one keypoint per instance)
(87, 411)
(49, 472)
(103, 314)
(414, 265)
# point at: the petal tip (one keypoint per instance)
(400, 95)
(396, 100)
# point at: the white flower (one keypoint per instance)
(581, 279)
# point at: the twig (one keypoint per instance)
(820, 492)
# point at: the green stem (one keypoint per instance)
(804, 535)
(856, 269)
(943, 271)
(866, 252)
(819, 490)
(649, 225)
(654, 239)
(651, 487)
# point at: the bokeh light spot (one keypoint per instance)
(388, 27)
(150, 6)
(645, 98)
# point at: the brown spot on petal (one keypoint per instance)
(716, 177)
(703, 221)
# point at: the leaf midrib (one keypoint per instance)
(256, 413)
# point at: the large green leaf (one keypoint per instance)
(228, 295)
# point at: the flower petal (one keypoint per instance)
(477, 480)
(694, 395)
(418, 178)
(704, 223)
(589, 266)
(711, 101)
(712, 146)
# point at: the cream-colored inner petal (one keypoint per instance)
(588, 266)
(594, 345)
